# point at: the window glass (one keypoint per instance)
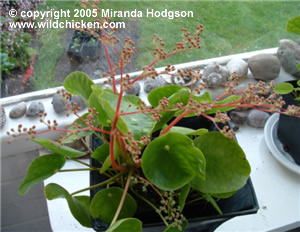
(42, 56)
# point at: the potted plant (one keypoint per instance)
(288, 126)
(75, 47)
(149, 164)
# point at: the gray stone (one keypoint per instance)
(35, 109)
(289, 55)
(215, 75)
(79, 101)
(18, 110)
(2, 117)
(257, 118)
(264, 67)
(135, 89)
(59, 105)
(150, 84)
(238, 117)
(237, 66)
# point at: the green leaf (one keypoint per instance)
(173, 228)
(126, 225)
(78, 83)
(106, 202)
(176, 160)
(284, 88)
(165, 91)
(101, 153)
(79, 205)
(139, 124)
(40, 169)
(223, 195)
(298, 82)
(187, 131)
(181, 96)
(209, 198)
(293, 25)
(227, 168)
(57, 148)
(95, 102)
(183, 195)
(224, 102)
(71, 137)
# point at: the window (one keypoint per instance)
(41, 57)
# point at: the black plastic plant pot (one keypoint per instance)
(201, 216)
(289, 129)
(75, 53)
(91, 50)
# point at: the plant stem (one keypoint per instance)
(83, 163)
(78, 169)
(194, 200)
(123, 197)
(100, 184)
(150, 204)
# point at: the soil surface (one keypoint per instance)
(14, 84)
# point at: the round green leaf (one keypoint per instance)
(40, 169)
(284, 88)
(165, 91)
(106, 202)
(126, 225)
(293, 25)
(78, 205)
(78, 83)
(171, 161)
(227, 168)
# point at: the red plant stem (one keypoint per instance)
(173, 123)
(112, 158)
(109, 63)
(156, 60)
(149, 183)
(148, 110)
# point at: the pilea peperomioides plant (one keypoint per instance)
(144, 155)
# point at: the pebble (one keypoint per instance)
(135, 89)
(238, 117)
(215, 75)
(2, 117)
(237, 66)
(18, 110)
(58, 104)
(35, 109)
(257, 118)
(79, 101)
(264, 67)
(289, 55)
(151, 84)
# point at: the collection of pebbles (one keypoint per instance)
(265, 67)
(37, 107)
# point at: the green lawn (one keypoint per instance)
(229, 27)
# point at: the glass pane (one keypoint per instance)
(41, 57)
